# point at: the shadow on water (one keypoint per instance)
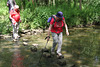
(80, 49)
(83, 44)
(17, 60)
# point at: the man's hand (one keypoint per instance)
(48, 37)
(7, 4)
(67, 33)
(13, 21)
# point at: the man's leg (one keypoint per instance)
(60, 37)
(55, 41)
(13, 31)
(18, 29)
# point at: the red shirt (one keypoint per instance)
(57, 26)
(15, 15)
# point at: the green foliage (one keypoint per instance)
(26, 4)
(35, 16)
(93, 9)
(4, 20)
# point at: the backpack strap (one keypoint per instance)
(53, 16)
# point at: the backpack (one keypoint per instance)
(50, 18)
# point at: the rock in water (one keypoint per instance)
(25, 40)
(47, 55)
(60, 57)
(45, 50)
(33, 49)
(35, 45)
(25, 44)
(61, 62)
(44, 54)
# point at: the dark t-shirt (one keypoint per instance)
(11, 3)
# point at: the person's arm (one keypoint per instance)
(66, 27)
(8, 3)
(10, 17)
(49, 29)
(13, 21)
(14, 2)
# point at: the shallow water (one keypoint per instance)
(80, 49)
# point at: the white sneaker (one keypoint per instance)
(59, 54)
(18, 36)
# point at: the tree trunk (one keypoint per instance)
(49, 2)
(33, 2)
(80, 5)
(53, 2)
(74, 3)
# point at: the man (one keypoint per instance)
(56, 30)
(10, 4)
(15, 19)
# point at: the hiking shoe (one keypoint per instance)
(18, 36)
(59, 54)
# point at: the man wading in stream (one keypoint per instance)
(15, 19)
(55, 27)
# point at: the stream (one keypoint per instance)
(80, 49)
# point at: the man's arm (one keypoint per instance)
(66, 27)
(14, 2)
(8, 3)
(48, 37)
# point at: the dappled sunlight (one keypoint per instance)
(6, 47)
(67, 56)
(79, 61)
(79, 48)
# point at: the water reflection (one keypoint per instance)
(17, 60)
(80, 49)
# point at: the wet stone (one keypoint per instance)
(53, 54)
(61, 62)
(47, 55)
(22, 35)
(45, 50)
(33, 49)
(29, 33)
(25, 31)
(60, 57)
(25, 44)
(35, 45)
(25, 40)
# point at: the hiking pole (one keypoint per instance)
(43, 51)
(46, 45)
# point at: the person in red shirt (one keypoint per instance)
(15, 19)
(56, 30)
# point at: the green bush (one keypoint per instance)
(35, 16)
